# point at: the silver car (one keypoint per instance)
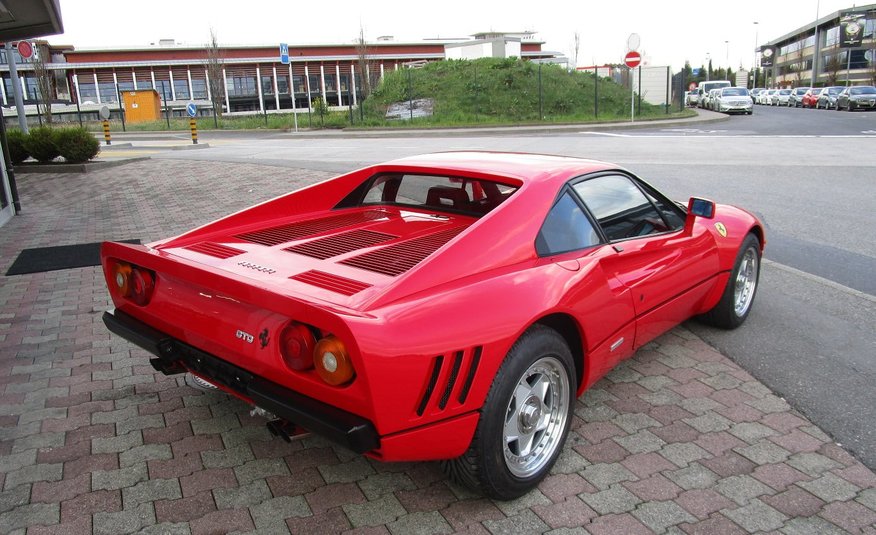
(827, 98)
(780, 98)
(733, 100)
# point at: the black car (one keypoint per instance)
(859, 97)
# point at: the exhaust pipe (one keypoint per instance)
(287, 430)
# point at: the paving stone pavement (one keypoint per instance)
(676, 440)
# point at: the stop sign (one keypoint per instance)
(633, 59)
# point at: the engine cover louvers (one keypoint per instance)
(296, 231)
(323, 248)
(334, 283)
(215, 249)
(398, 258)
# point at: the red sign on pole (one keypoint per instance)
(25, 49)
(633, 59)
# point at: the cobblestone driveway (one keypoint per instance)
(92, 440)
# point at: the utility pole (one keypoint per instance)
(16, 88)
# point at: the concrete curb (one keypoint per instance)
(86, 167)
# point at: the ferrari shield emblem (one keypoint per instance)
(722, 230)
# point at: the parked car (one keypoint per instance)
(755, 93)
(780, 97)
(857, 97)
(713, 98)
(733, 100)
(449, 306)
(691, 98)
(766, 96)
(810, 98)
(795, 99)
(827, 98)
(705, 87)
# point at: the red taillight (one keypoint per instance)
(133, 282)
(296, 346)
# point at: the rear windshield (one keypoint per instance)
(431, 192)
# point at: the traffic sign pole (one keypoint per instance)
(192, 110)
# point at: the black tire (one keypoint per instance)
(736, 301)
(489, 466)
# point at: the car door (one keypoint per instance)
(667, 265)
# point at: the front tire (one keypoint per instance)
(738, 297)
(524, 421)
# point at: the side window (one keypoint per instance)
(566, 228)
(620, 207)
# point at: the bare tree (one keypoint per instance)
(362, 74)
(832, 67)
(44, 81)
(215, 64)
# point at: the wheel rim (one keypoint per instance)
(746, 282)
(536, 417)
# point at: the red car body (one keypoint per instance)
(427, 302)
(810, 99)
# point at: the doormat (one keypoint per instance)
(60, 257)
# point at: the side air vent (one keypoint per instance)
(296, 231)
(339, 244)
(444, 379)
(334, 283)
(397, 258)
(215, 249)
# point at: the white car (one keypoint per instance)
(781, 97)
(733, 100)
(765, 96)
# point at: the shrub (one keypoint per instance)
(17, 152)
(41, 144)
(77, 145)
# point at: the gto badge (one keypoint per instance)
(722, 230)
(245, 336)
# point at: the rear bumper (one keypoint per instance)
(174, 356)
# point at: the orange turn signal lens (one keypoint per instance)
(332, 362)
(296, 346)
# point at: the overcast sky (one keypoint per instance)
(671, 32)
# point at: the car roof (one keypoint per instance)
(526, 168)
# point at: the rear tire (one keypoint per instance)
(524, 421)
(738, 297)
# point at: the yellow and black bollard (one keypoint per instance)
(106, 132)
(194, 126)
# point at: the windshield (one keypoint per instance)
(834, 90)
(863, 90)
(735, 92)
(785, 92)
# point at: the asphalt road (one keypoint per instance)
(809, 174)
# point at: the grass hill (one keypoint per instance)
(502, 91)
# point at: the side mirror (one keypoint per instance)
(701, 207)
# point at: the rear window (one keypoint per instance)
(431, 192)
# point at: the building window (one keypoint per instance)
(314, 83)
(88, 92)
(831, 38)
(283, 84)
(126, 86)
(330, 85)
(242, 86)
(298, 82)
(108, 92)
(345, 82)
(267, 85)
(199, 89)
(181, 88)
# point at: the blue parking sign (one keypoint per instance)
(284, 53)
(192, 109)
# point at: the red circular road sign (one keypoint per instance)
(25, 49)
(633, 59)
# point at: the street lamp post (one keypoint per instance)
(754, 68)
(708, 66)
(727, 57)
